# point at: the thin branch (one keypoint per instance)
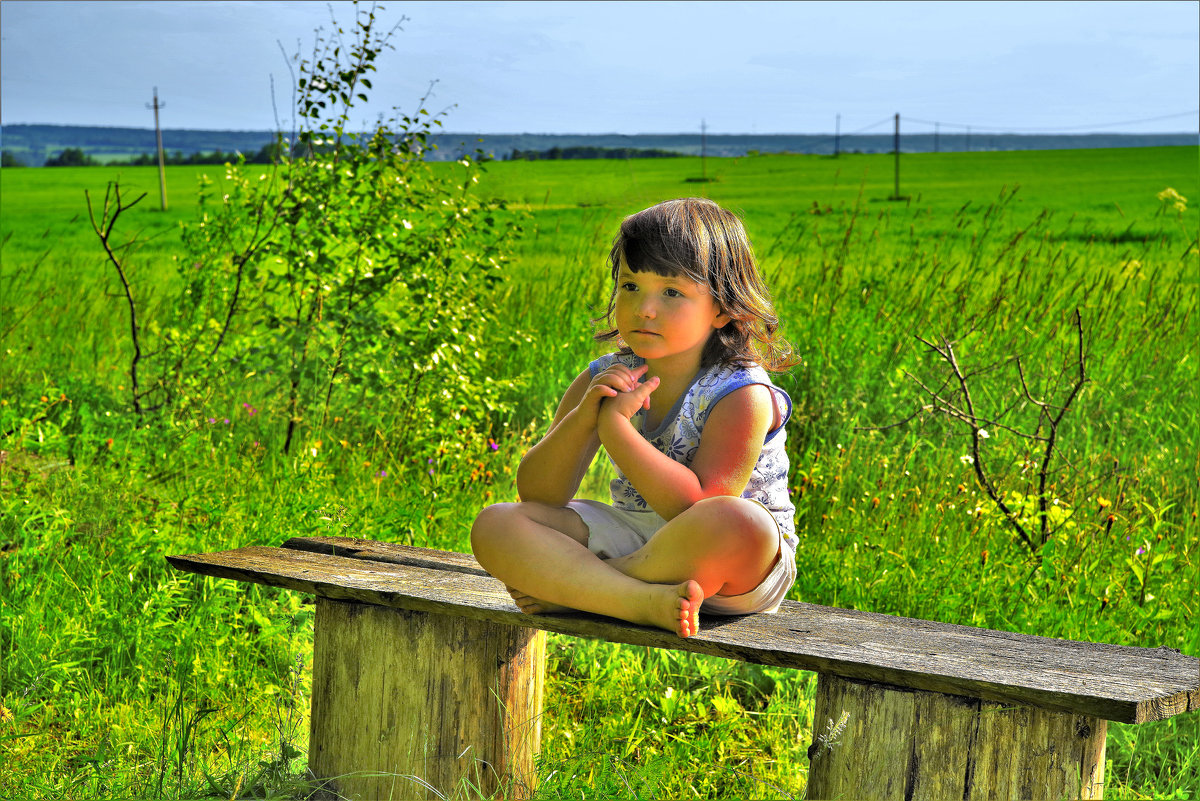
(107, 223)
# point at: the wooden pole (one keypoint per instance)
(914, 744)
(896, 149)
(413, 705)
(703, 151)
(837, 136)
(162, 175)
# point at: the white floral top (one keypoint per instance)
(678, 436)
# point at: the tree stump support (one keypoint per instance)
(913, 744)
(410, 704)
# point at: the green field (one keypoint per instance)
(121, 678)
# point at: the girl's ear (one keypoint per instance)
(721, 320)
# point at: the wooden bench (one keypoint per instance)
(425, 675)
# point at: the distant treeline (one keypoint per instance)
(589, 152)
(76, 157)
(37, 144)
(267, 154)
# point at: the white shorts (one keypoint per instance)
(614, 532)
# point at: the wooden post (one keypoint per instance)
(896, 150)
(162, 175)
(913, 744)
(412, 704)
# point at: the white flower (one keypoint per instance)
(983, 434)
(966, 459)
(406, 224)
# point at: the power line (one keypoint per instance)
(994, 129)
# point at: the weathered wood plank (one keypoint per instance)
(390, 552)
(1120, 683)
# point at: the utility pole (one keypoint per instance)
(935, 137)
(703, 151)
(162, 175)
(896, 148)
(837, 137)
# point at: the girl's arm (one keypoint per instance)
(551, 471)
(730, 445)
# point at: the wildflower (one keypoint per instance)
(492, 445)
(983, 434)
(1176, 200)
(226, 421)
(212, 420)
(1104, 503)
(406, 224)
(1139, 552)
(381, 474)
(965, 459)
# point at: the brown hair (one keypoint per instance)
(697, 238)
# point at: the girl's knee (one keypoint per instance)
(745, 522)
(488, 523)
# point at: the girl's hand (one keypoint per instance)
(630, 402)
(610, 384)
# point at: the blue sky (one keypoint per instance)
(652, 67)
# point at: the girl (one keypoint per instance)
(700, 514)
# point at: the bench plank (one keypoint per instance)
(390, 552)
(1120, 683)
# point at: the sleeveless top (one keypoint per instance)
(678, 436)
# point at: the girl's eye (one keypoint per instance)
(673, 293)
(629, 286)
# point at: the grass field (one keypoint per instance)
(120, 678)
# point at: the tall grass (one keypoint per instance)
(121, 678)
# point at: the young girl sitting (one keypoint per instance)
(688, 415)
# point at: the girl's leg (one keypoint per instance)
(541, 550)
(727, 544)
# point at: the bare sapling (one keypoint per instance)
(954, 399)
(114, 207)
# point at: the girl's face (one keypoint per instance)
(665, 317)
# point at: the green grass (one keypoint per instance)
(122, 678)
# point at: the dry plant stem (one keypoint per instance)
(104, 229)
(1049, 415)
(1044, 471)
(946, 351)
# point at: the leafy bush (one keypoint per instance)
(346, 284)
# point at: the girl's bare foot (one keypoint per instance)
(686, 600)
(675, 608)
(534, 606)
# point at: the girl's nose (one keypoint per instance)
(646, 308)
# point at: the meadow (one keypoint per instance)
(121, 678)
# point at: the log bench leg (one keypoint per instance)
(406, 701)
(913, 744)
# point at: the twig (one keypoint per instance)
(959, 405)
(107, 223)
